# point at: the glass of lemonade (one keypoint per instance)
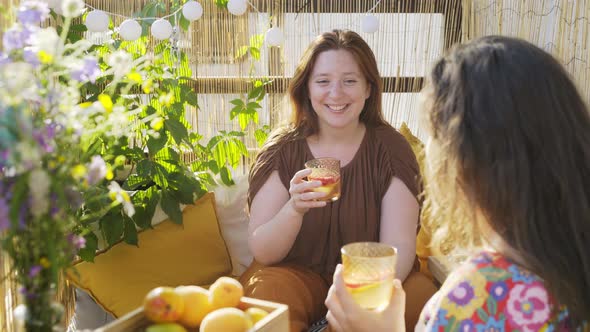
(368, 272)
(327, 171)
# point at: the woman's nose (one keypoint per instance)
(336, 89)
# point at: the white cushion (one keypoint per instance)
(232, 213)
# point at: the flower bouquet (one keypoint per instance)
(49, 157)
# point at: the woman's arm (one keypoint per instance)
(399, 221)
(276, 215)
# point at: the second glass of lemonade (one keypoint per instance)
(368, 272)
(327, 171)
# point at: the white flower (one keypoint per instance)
(47, 40)
(29, 154)
(39, 183)
(121, 196)
(72, 8)
(97, 170)
(17, 82)
(121, 62)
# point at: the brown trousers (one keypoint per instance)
(304, 291)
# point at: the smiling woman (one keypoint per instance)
(294, 235)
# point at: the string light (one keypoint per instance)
(97, 21)
(130, 29)
(237, 7)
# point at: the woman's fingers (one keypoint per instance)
(300, 175)
(333, 322)
(397, 306)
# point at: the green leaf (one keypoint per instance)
(145, 203)
(78, 28)
(112, 226)
(241, 52)
(191, 98)
(184, 23)
(156, 144)
(177, 130)
(253, 105)
(130, 233)
(495, 274)
(213, 166)
(482, 314)
(255, 52)
(261, 135)
(89, 251)
(226, 176)
(238, 102)
(171, 207)
(492, 307)
(221, 3)
(184, 188)
(135, 181)
(254, 93)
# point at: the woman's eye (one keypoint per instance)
(322, 82)
(349, 82)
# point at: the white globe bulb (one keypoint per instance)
(370, 23)
(130, 30)
(192, 10)
(161, 29)
(274, 37)
(237, 7)
(97, 21)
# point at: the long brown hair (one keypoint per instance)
(305, 121)
(511, 139)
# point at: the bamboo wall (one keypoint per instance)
(412, 34)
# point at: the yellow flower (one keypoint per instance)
(106, 102)
(45, 57)
(157, 123)
(463, 296)
(135, 77)
(78, 171)
(44, 262)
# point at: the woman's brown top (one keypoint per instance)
(383, 154)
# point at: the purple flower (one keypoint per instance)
(499, 290)
(31, 57)
(43, 141)
(13, 39)
(33, 12)
(97, 170)
(467, 326)
(4, 59)
(462, 293)
(77, 241)
(4, 217)
(35, 270)
(87, 71)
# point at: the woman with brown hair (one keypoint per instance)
(508, 173)
(295, 237)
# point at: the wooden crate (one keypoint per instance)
(276, 321)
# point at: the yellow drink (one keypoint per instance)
(372, 295)
(327, 171)
(368, 272)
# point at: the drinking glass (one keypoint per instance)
(368, 272)
(327, 171)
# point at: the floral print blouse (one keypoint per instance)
(491, 293)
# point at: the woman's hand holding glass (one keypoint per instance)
(346, 315)
(302, 196)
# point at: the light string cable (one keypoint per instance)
(137, 18)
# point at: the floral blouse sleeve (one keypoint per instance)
(490, 293)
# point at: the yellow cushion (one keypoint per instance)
(423, 238)
(168, 255)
